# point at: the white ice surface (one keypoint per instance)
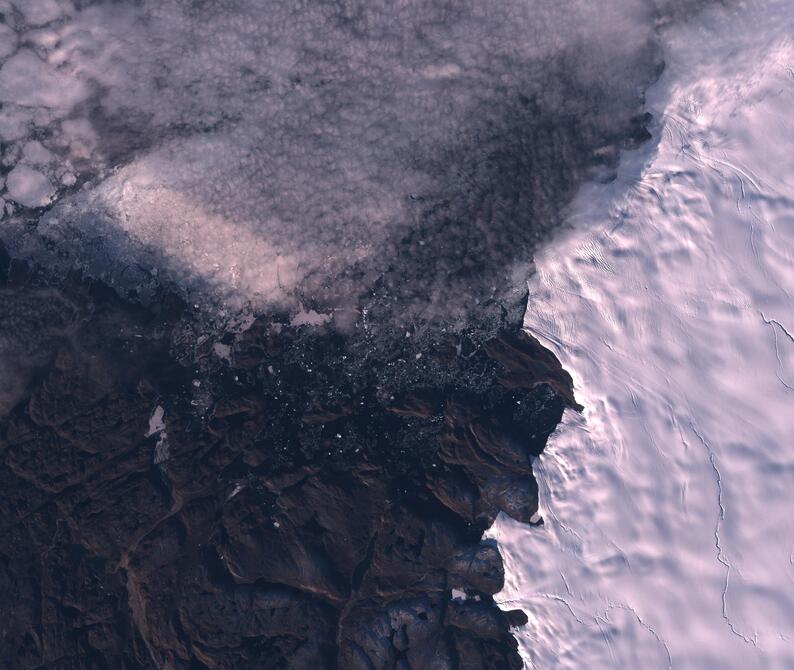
(669, 535)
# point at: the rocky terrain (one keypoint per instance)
(264, 379)
(280, 497)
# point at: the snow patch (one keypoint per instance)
(222, 351)
(156, 421)
(13, 125)
(35, 153)
(157, 427)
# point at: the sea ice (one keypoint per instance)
(8, 41)
(28, 187)
(26, 79)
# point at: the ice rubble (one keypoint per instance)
(668, 538)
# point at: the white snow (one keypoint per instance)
(79, 136)
(35, 153)
(29, 187)
(162, 450)
(222, 351)
(669, 535)
(12, 124)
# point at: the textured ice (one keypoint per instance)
(669, 539)
(8, 41)
(27, 79)
(156, 421)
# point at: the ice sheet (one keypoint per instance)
(669, 538)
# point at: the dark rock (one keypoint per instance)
(280, 518)
(514, 495)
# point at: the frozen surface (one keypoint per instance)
(249, 151)
(29, 187)
(669, 536)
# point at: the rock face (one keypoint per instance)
(283, 497)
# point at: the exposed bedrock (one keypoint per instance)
(288, 499)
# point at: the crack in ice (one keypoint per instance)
(605, 634)
(772, 323)
(646, 626)
(598, 619)
(779, 325)
(717, 539)
(560, 599)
